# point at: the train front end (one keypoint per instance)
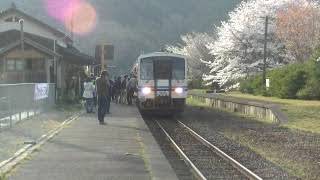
(162, 80)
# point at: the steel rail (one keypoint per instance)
(194, 169)
(243, 170)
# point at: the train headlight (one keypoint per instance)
(146, 90)
(178, 90)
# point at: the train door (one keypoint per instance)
(162, 79)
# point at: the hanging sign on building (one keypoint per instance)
(41, 91)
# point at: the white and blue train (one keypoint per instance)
(162, 82)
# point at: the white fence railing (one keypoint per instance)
(21, 101)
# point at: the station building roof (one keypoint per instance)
(15, 10)
(11, 39)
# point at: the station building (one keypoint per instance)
(34, 52)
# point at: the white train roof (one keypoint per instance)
(157, 54)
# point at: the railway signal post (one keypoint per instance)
(105, 54)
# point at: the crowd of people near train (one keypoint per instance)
(101, 91)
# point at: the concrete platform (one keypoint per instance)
(123, 149)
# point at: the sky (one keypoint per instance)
(133, 26)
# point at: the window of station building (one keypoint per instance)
(11, 65)
(1, 65)
(29, 64)
(20, 65)
(38, 64)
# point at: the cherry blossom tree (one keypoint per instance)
(194, 47)
(298, 26)
(238, 49)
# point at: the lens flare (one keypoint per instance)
(58, 8)
(81, 18)
(78, 16)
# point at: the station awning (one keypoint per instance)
(72, 55)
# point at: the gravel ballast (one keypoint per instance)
(266, 149)
(181, 169)
(209, 163)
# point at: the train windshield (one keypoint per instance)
(146, 69)
(178, 69)
(165, 67)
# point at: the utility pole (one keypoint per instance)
(21, 21)
(55, 66)
(265, 54)
(103, 62)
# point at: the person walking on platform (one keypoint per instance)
(123, 89)
(103, 94)
(93, 80)
(114, 89)
(131, 88)
(88, 94)
(117, 90)
(110, 96)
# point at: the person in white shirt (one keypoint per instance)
(88, 95)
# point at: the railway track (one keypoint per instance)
(205, 160)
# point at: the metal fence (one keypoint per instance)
(22, 101)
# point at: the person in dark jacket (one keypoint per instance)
(103, 95)
(117, 90)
